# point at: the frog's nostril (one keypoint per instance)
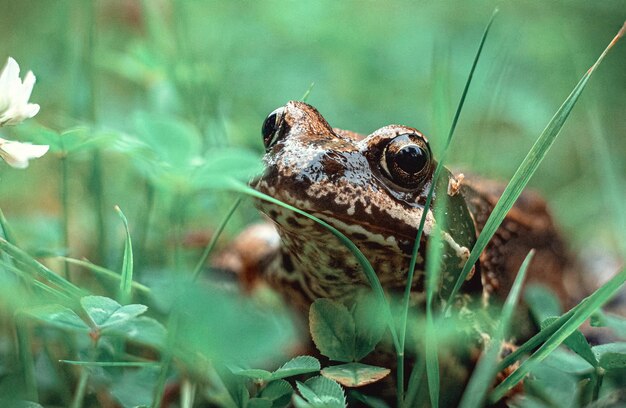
(273, 127)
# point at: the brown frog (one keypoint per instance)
(373, 189)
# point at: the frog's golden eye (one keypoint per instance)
(273, 128)
(406, 160)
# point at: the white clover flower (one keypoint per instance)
(14, 94)
(17, 154)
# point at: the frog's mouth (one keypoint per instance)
(361, 223)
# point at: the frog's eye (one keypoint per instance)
(273, 128)
(406, 160)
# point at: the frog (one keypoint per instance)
(373, 189)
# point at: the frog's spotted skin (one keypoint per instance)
(339, 177)
(348, 180)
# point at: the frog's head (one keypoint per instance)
(373, 189)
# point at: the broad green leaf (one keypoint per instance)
(58, 316)
(296, 366)
(106, 312)
(175, 143)
(259, 403)
(369, 401)
(369, 323)
(611, 355)
(576, 342)
(322, 392)
(134, 387)
(542, 302)
(332, 329)
(355, 374)
(236, 163)
(253, 373)
(279, 392)
(308, 393)
(612, 361)
(217, 325)
(143, 330)
(560, 388)
(569, 362)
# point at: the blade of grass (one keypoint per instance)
(126, 281)
(52, 291)
(367, 267)
(536, 340)
(476, 391)
(414, 387)
(27, 361)
(102, 271)
(611, 183)
(434, 257)
(218, 232)
(582, 312)
(429, 197)
(110, 363)
(40, 270)
(308, 92)
(526, 170)
(5, 230)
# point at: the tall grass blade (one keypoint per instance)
(218, 232)
(581, 313)
(107, 273)
(126, 283)
(526, 170)
(429, 197)
(611, 183)
(434, 257)
(111, 363)
(26, 358)
(536, 340)
(308, 92)
(476, 390)
(40, 270)
(5, 230)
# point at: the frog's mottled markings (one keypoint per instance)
(373, 190)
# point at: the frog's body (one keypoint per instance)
(373, 189)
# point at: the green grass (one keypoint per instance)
(171, 99)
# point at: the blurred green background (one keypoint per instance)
(222, 66)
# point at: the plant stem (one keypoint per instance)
(209, 248)
(400, 379)
(599, 376)
(66, 211)
(26, 359)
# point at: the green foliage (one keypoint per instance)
(296, 366)
(344, 336)
(157, 108)
(318, 392)
(355, 374)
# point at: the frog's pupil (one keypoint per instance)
(411, 159)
